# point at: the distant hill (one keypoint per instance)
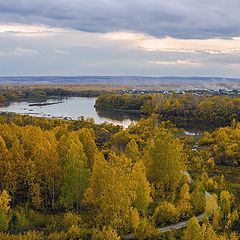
(168, 81)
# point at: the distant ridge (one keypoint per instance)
(112, 80)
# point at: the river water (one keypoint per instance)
(75, 107)
(70, 107)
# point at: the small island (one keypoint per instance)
(44, 104)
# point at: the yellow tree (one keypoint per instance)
(184, 204)
(4, 160)
(87, 138)
(193, 230)
(111, 191)
(225, 203)
(141, 187)
(76, 172)
(198, 197)
(41, 153)
(132, 150)
(4, 209)
(164, 162)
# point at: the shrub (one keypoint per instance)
(166, 213)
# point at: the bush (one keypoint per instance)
(33, 235)
(71, 219)
(166, 213)
(58, 236)
(22, 221)
(146, 230)
(108, 233)
(4, 221)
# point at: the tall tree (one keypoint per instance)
(132, 150)
(193, 230)
(87, 139)
(76, 172)
(111, 191)
(164, 160)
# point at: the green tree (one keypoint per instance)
(193, 230)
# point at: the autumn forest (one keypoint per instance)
(74, 179)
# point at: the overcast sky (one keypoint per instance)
(120, 37)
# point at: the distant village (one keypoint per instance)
(197, 92)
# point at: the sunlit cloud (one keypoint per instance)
(29, 30)
(67, 51)
(177, 62)
(214, 46)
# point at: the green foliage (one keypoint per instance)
(193, 230)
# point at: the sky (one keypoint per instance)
(120, 37)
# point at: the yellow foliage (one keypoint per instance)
(108, 233)
(5, 200)
(70, 219)
(166, 213)
(58, 236)
(193, 230)
(33, 235)
(74, 232)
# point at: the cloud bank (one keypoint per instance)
(111, 37)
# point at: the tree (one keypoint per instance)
(4, 160)
(4, 209)
(184, 204)
(120, 140)
(108, 233)
(225, 203)
(209, 233)
(193, 230)
(111, 191)
(211, 204)
(132, 150)
(76, 172)
(164, 161)
(198, 200)
(165, 213)
(87, 138)
(142, 187)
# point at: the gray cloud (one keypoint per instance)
(181, 19)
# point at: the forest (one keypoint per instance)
(176, 107)
(74, 179)
(42, 92)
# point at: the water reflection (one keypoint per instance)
(118, 116)
(75, 107)
(71, 107)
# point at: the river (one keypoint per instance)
(75, 107)
(70, 107)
